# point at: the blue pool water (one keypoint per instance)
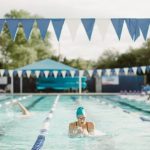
(117, 117)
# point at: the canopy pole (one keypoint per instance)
(80, 83)
(21, 84)
(12, 84)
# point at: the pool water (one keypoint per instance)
(121, 123)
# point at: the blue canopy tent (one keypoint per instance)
(51, 82)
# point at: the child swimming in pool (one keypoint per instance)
(81, 127)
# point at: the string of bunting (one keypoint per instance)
(73, 73)
(135, 26)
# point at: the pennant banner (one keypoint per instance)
(19, 73)
(143, 68)
(117, 71)
(28, 73)
(43, 26)
(88, 26)
(90, 72)
(134, 70)
(46, 73)
(108, 72)
(72, 72)
(2, 72)
(12, 26)
(103, 25)
(118, 25)
(73, 25)
(37, 73)
(81, 72)
(57, 25)
(63, 73)
(99, 72)
(144, 26)
(133, 28)
(10, 73)
(55, 73)
(27, 26)
(126, 70)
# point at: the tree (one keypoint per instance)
(21, 52)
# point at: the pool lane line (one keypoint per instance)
(45, 127)
(35, 102)
(14, 101)
(141, 117)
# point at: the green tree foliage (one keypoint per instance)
(133, 57)
(21, 52)
(79, 63)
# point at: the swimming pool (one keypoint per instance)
(113, 115)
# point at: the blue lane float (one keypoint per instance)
(39, 142)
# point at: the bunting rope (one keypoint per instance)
(41, 137)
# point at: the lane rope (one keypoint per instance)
(45, 127)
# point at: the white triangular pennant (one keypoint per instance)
(99, 72)
(134, 70)
(19, 72)
(117, 71)
(108, 72)
(81, 72)
(103, 25)
(2, 72)
(126, 71)
(90, 72)
(10, 73)
(63, 72)
(73, 25)
(28, 73)
(72, 72)
(55, 73)
(46, 73)
(143, 68)
(37, 73)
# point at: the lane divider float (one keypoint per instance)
(44, 130)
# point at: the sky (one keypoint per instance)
(101, 9)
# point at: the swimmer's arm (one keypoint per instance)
(23, 109)
(91, 127)
(72, 132)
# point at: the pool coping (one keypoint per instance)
(93, 94)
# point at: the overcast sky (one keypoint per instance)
(81, 47)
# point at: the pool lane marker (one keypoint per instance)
(44, 130)
(14, 100)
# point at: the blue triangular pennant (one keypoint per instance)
(43, 26)
(2, 22)
(57, 25)
(27, 26)
(88, 26)
(12, 26)
(144, 26)
(118, 25)
(133, 28)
